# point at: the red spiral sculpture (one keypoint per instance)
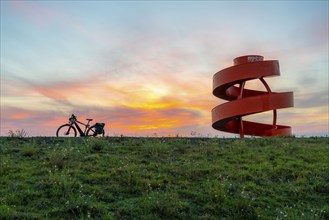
(229, 84)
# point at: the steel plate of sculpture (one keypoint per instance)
(229, 84)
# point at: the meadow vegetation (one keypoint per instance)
(164, 178)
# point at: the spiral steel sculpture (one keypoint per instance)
(229, 84)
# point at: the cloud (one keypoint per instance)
(37, 13)
(123, 119)
(312, 99)
(128, 108)
(34, 122)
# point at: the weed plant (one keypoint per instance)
(164, 178)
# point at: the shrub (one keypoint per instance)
(17, 134)
(97, 146)
(57, 160)
(29, 151)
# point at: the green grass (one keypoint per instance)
(164, 178)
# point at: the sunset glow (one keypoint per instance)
(145, 68)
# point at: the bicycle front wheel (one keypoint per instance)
(91, 132)
(66, 130)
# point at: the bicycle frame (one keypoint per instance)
(82, 133)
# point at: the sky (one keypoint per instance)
(145, 68)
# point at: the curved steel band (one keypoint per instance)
(227, 117)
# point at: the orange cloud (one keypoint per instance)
(50, 93)
(137, 119)
(129, 108)
(19, 115)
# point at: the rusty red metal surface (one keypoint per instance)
(229, 84)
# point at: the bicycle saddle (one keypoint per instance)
(89, 119)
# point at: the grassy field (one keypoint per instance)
(164, 178)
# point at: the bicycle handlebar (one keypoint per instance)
(73, 118)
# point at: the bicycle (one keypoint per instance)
(70, 129)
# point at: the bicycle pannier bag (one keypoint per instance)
(99, 128)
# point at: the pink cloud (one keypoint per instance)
(35, 11)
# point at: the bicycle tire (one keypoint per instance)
(66, 130)
(91, 132)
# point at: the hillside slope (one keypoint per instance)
(164, 178)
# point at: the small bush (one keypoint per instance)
(17, 134)
(57, 160)
(29, 151)
(96, 145)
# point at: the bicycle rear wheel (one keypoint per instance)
(91, 132)
(66, 130)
